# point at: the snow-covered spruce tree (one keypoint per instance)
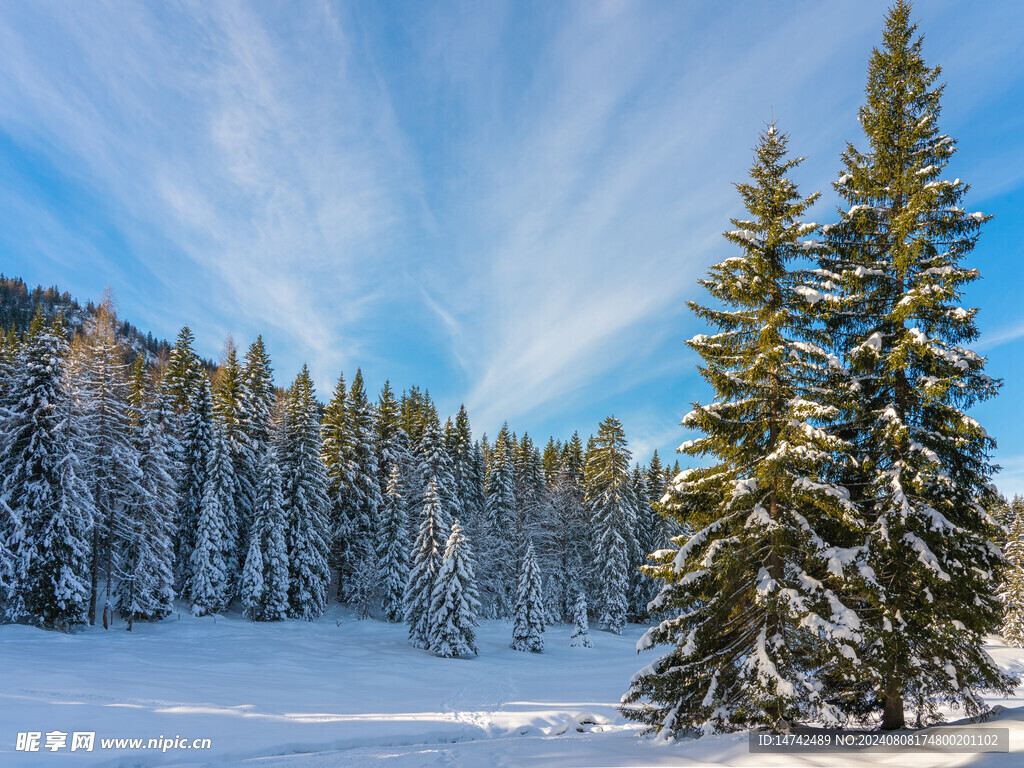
(580, 627)
(437, 465)
(661, 526)
(450, 439)
(305, 502)
(529, 485)
(1012, 586)
(231, 409)
(467, 479)
(209, 581)
(565, 540)
(393, 549)
(252, 587)
(394, 451)
(145, 587)
(536, 520)
(641, 588)
(755, 595)
(454, 603)
(221, 473)
(528, 613)
(498, 543)
(428, 550)
(110, 461)
(417, 411)
(9, 350)
(46, 503)
(366, 584)
(475, 499)
(350, 455)
(258, 396)
(366, 492)
(390, 440)
(551, 460)
(196, 445)
(924, 465)
(339, 460)
(612, 507)
(183, 372)
(265, 575)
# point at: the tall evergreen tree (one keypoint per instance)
(532, 513)
(468, 478)
(551, 460)
(474, 497)
(231, 405)
(757, 589)
(210, 573)
(46, 503)
(393, 549)
(145, 588)
(386, 427)
(265, 577)
(528, 613)
(305, 502)
(641, 589)
(415, 407)
(568, 541)
(572, 457)
(499, 528)
(612, 508)
(339, 458)
(258, 396)
(661, 526)
(428, 550)
(9, 350)
(365, 488)
(1012, 587)
(454, 602)
(109, 459)
(435, 464)
(184, 370)
(923, 465)
(197, 440)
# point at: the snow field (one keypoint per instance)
(340, 692)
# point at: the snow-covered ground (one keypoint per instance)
(340, 692)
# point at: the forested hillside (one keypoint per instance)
(18, 304)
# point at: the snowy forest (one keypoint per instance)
(129, 485)
(836, 553)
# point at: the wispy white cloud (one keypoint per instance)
(1000, 336)
(606, 199)
(255, 147)
(527, 195)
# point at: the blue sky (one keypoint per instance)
(506, 203)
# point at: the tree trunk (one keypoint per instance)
(107, 610)
(892, 714)
(94, 575)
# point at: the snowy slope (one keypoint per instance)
(307, 695)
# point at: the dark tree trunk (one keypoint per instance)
(94, 575)
(892, 715)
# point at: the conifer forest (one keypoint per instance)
(831, 547)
